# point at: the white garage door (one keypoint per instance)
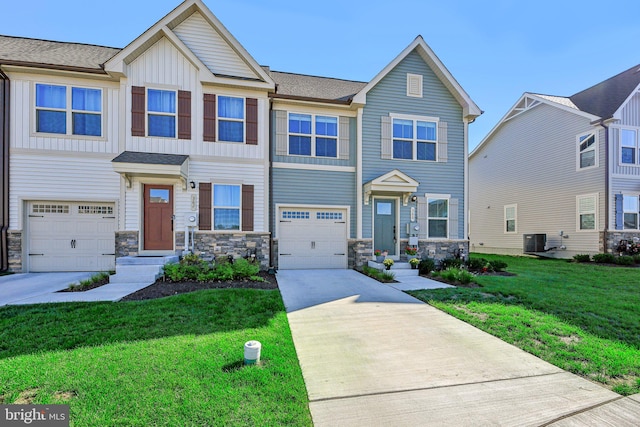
(66, 236)
(312, 238)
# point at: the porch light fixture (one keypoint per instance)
(414, 198)
(192, 184)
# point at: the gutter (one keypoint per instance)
(4, 170)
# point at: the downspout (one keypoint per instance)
(606, 186)
(4, 170)
(271, 207)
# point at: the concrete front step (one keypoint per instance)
(140, 269)
(398, 268)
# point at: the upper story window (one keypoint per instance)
(437, 217)
(312, 135)
(628, 146)
(510, 214)
(68, 110)
(414, 139)
(230, 119)
(161, 113)
(587, 155)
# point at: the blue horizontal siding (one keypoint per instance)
(389, 96)
(311, 187)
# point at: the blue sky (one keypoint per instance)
(496, 49)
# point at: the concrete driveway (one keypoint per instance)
(15, 288)
(374, 356)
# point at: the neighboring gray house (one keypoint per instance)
(356, 164)
(561, 169)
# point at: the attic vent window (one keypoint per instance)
(414, 85)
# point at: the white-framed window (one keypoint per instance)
(227, 206)
(68, 110)
(313, 135)
(587, 212)
(414, 85)
(630, 212)
(628, 146)
(510, 218)
(587, 145)
(437, 216)
(161, 112)
(414, 138)
(231, 119)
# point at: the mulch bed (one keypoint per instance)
(164, 288)
(470, 285)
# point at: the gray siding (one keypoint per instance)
(531, 161)
(311, 187)
(629, 186)
(308, 160)
(630, 118)
(389, 96)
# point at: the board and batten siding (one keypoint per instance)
(629, 117)
(531, 161)
(59, 177)
(22, 110)
(312, 187)
(389, 97)
(162, 66)
(279, 136)
(203, 40)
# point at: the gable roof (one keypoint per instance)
(605, 98)
(300, 86)
(54, 55)
(470, 109)
(165, 28)
(599, 102)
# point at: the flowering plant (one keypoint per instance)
(410, 250)
(414, 262)
(388, 262)
(377, 252)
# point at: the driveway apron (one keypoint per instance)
(372, 355)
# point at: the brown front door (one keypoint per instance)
(158, 217)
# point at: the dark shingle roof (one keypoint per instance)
(24, 51)
(313, 87)
(604, 99)
(150, 158)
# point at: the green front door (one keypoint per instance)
(384, 225)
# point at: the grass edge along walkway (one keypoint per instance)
(581, 318)
(171, 361)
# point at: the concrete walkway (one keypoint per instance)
(372, 355)
(37, 288)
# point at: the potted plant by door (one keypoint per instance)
(412, 252)
(378, 255)
(414, 263)
(388, 262)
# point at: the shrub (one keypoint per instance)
(624, 260)
(582, 258)
(387, 276)
(224, 271)
(243, 269)
(457, 275)
(382, 276)
(476, 263)
(450, 263)
(497, 265)
(636, 259)
(604, 258)
(426, 266)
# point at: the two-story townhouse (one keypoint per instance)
(560, 176)
(135, 151)
(358, 166)
(182, 141)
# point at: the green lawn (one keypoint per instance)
(174, 361)
(583, 318)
